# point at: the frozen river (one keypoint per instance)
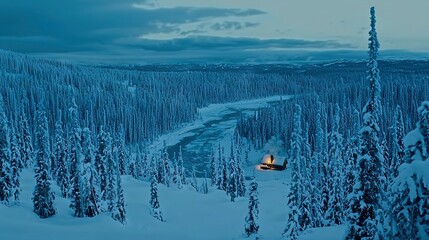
(215, 125)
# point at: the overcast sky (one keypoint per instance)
(208, 31)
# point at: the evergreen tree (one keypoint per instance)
(334, 215)
(397, 143)
(213, 168)
(43, 198)
(365, 216)
(25, 140)
(155, 210)
(90, 189)
(325, 173)
(132, 168)
(76, 164)
(5, 168)
(411, 201)
(16, 165)
(60, 153)
(351, 155)
(194, 182)
(166, 168)
(161, 171)
(398, 153)
(241, 184)
(103, 152)
(220, 170)
(120, 144)
(252, 226)
(178, 177)
(294, 200)
(316, 172)
(146, 166)
(306, 218)
(204, 185)
(112, 160)
(119, 213)
(140, 170)
(232, 177)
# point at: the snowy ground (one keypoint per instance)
(189, 215)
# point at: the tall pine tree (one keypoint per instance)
(76, 158)
(252, 219)
(365, 214)
(25, 140)
(292, 227)
(60, 153)
(16, 165)
(90, 189)
(103, 152)
(155, 210)
(43, 197)
(334, 215)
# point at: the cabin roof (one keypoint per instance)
(276, 160)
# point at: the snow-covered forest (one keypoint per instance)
(77, 141)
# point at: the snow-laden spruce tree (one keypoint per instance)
(366, 215)
(180, 168)
(224, 173)
(411, 201)
(396, 160)
(155, 208)
(194, 181)
(103, 151)
(177, 175)
(350, 157)
(118, 212)
(306, 218)
(60, 153)
(251, 225)
(166, 168)
(5, 178)
(139, 171)
(120, 144)
(43, 197)
(324, 167)
(204, 185)
(334, 215)
(132, 167)
(316, 172)
(112, 167)
(241, 184)
(90, 189)
(76, 162)
(161, 170)
(220, 170)
(232, 175)
(25, 140)
(16, 164)
(397, 143)
(213, 168)
(294, 200)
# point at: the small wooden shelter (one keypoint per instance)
(269, 161)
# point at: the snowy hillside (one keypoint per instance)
(188, 214)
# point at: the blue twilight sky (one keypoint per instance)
(211, 31)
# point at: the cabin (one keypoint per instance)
(271, 162)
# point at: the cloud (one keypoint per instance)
(78, 25)
(231, 25)
(225, 43)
